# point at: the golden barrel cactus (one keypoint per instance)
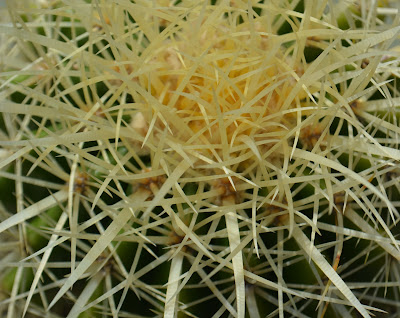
(206, 158)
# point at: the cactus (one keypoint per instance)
(199, 158)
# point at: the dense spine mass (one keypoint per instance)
(199, 158)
